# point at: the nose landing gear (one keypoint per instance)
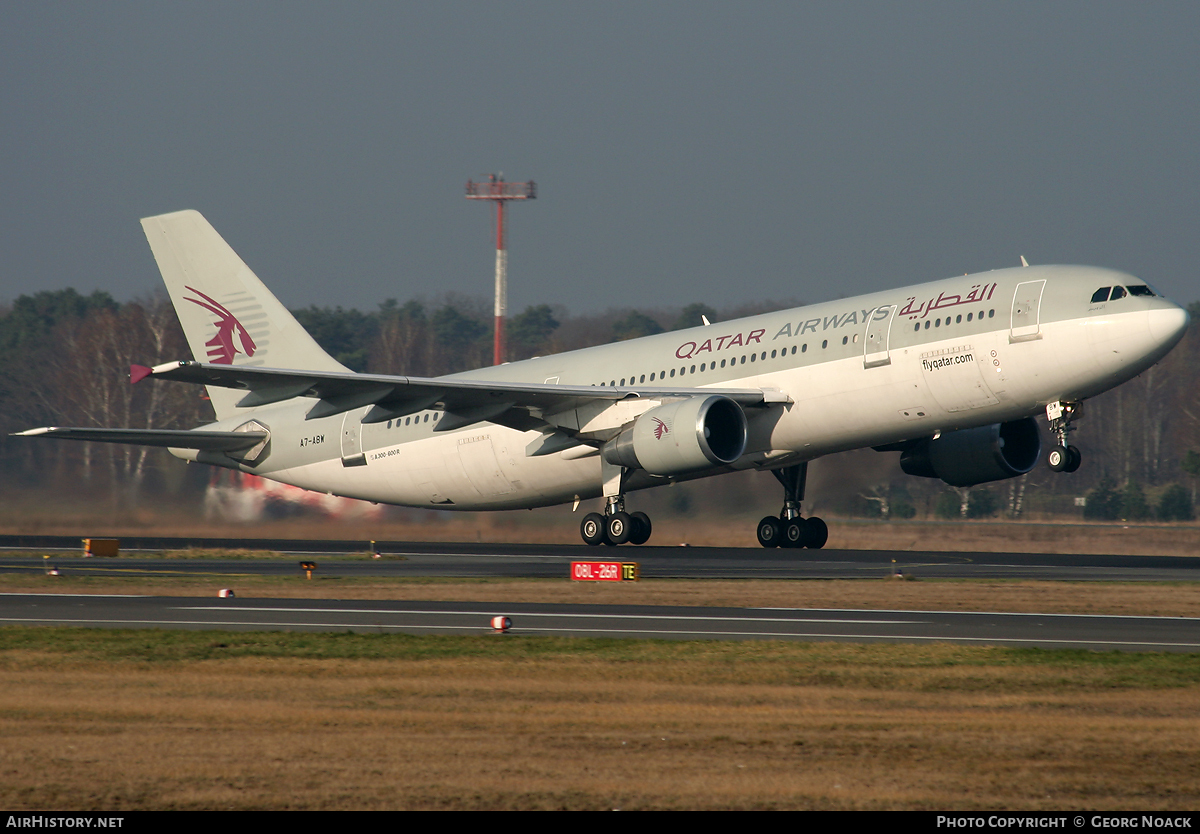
(1063, 457)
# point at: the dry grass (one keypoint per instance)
(557, 525)
(582, 725)
(111, 720)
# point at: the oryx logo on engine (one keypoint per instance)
(660, 428)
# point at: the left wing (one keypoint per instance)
(519, 405)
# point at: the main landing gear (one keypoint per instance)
(789, 529)
(616, 526)
(1063, 458)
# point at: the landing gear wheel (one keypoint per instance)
(770, 532)
(592, 529)
(620, 527)
(1059, 458)
(795, 533)
(818, 533)
(641, 528)
(1074, 458)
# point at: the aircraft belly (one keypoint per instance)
(842, 405)
(471, 470)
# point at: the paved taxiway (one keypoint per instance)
(551, 561)
(1042, 630)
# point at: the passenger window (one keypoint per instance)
(1118, 292)
(1100, 295)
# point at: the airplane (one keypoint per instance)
(951, 374)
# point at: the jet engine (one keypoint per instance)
(975, 456)
(684, 436)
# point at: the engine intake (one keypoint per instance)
(696, 433)
(975, 456)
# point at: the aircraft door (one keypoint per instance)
(352, 453)
(1026, 311)
(877, 337)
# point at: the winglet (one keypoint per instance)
(138, 372)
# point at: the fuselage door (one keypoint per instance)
(352, 453)
(1026, 311)
(879, 331)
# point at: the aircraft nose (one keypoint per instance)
(1168, 325)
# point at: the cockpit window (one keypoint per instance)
(1135, 289)
(1118, 292)
(1100, 295)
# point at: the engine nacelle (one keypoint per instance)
(975, 456)
(685, 436)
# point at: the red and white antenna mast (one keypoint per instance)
(500, 192)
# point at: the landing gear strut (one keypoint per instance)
(1063, 458)
(616, 526)
(789, 529)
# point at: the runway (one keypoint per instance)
(407, 559)
(383, 617)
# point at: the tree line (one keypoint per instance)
(64, 359)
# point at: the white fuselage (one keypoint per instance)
(861, 372)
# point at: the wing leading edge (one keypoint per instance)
(517, 405)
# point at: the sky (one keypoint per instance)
(684, 152)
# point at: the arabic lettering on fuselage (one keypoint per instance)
(979, 292)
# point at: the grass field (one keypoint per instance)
(121, 720)
(188, 720)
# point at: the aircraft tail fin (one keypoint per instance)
(228, 315)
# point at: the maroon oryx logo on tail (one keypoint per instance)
(221, 349)
(660, 428)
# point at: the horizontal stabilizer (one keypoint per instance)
(204, 441)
